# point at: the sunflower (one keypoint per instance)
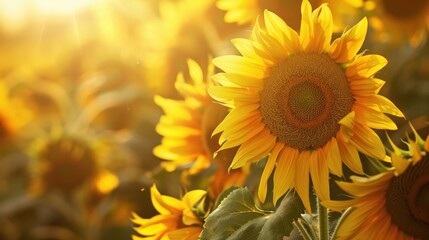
(176, 219)
(187, 124)
(308, 104)
(246, 11)
(392, 204)
(170, 40)
(399, 21)
(63, 163)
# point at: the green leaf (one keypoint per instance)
(238, 218)
(223, 195)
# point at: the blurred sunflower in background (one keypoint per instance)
(13, 115)
(171, 38)
(392, 204)
(177, 218)
(308, 104)
(398, 22)
(67, 163)
(344, 12)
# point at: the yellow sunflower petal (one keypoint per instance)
(159, 226)
(165, 153)
(192, 197)
(339, 206)
(322, 30)
(381, 231)
(306, 30)
(240, 65)
(366, 86)
(345, 48)
(245, 47)
(284, 174)
(380, 103)
(365, 66)
(334, 157)
(347, 125)
(399, 163)
(176, 131)
(415, 152)
(254, 149)
(188, 233)
(350, 157)
(302, 180)
(242, 135)
(366, 230)
(155, 228)
(238, 95)
(240, 131)
(195, 72)
(173, 108)
(373, 118)
(165, 204)
(236, 116)
(237, 80)
(320, 174)
(180, 150)
(354, 221)
(286, 36)
(189, 218)
(269, 166)
(368, 142)
(362, 186)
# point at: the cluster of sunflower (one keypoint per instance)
(139, 118)
(295, 110)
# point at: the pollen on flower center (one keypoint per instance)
(304, 98)
(307, 103)
(404, 10)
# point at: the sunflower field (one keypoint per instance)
(214, 119)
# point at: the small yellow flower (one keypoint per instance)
(393, 204)
(176, 219)
(399, 21)
(306, 102)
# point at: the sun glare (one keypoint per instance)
(61, 6)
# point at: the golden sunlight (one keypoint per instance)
(61, 6)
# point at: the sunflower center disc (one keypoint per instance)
(304, 98)
(70, 163)
(407, 200)
(403, 10)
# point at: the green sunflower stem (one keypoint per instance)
(323, 221)
(340, 222)
(305, 231)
